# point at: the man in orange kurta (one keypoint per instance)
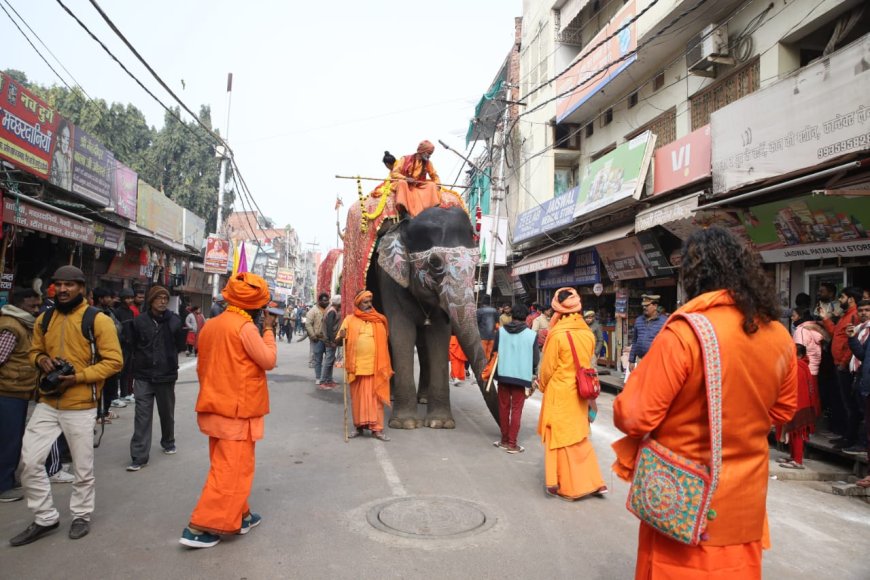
(414, 192)
(457, 360)
(233, 401)
(367, 365)
(665, 399)
(570, 465)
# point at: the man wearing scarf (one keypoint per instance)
(232, 404)
(414, 192)
(18, 380)
(570, 465)
(367, 365)
(158, 337)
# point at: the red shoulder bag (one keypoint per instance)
(588, 385)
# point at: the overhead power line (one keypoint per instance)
(27, 38)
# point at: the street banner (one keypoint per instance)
(217, 255)
(284, 279)
(624, 259)
(28, 129)
(683, 162)
(125, 186)
(92, 166)
(600, 63)
(822, 113)
(617, 176)
(549, 216)
(36, 218)
(108, 237)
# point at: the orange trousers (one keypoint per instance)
(224, 499)
(368, 411)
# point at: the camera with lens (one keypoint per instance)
(50, 383)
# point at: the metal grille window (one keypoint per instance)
(664, 127)
(736, 85)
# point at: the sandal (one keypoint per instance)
(354, 434)
(784, 460)
(863, 482)
(792, 465)
(380, 435)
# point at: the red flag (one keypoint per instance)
(338, 202)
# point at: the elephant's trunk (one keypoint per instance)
(464, 321)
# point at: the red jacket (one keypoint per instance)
(840, 342)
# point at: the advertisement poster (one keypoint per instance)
(125, 186)
(683, 162)
(108, 237)
(598, 65)
(92, 168)
(271, 269)
(217, 255)
(34, 217)
(624, 259)
(813, 226)
(284, 278)
(28, 128)
(616, 176)
(583, 269)
(822, 112)
(549, 216)
(159, 214)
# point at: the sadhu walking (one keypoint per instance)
(702, 394)
(367, 365)
(570, 464)
(233, 401)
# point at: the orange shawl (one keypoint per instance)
(383, 368)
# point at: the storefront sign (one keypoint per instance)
(7, 281)
(271, 269)
(92, 168)
(551, 215)
(194, 229)
(655, 257)
(284, 278)
(617, 176)
(821, 112)
(683, 162)
(217, 255)
(624, 259)
(809, 227)
(540, 264)
(159, 214)
(35, 218)
(28, 128)
(125, 187)
(621, 304)
(676, 216)
(108, 237)
(583, 268)
(596, 67)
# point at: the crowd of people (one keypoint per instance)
(680, 371)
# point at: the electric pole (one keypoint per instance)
(220, 151)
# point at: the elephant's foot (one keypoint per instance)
(404, 423)
(440, 423)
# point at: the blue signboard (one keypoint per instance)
(548, 216)
(583, 269)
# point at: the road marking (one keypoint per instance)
(389, 471)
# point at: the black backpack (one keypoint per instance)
(87, 326)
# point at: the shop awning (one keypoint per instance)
(559, 256)
(488, 111)
(676, 216)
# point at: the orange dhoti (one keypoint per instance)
(457, 360)
(488, 345)
(573, 469)
(224, 499)
(368, 410)
(660, 557)
(416, 198)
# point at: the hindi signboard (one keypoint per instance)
(28, 129)
(21, 213)
(92, 168)
(125, 189)
(217, 255)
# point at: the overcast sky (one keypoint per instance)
(319, 89)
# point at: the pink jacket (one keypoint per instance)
(811, 335)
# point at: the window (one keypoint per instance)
(590, 130)
(738, 84)
(607, 117)
(664, 127)
(659, 81)
(632, 99)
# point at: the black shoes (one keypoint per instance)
(79, 528)
(33, 532)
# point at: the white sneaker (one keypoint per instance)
(130, 399)
(62, 477)
(118, 403)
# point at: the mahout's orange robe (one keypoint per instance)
(415, 197)
(367, 366)
(665, 398)
(457, 360)
(233, 401)
(569, 458)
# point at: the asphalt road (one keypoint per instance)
(326, 504)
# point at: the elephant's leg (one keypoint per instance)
(423, 383)
(438, 415)
(402, 339)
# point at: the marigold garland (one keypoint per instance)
(366, 217)
(240, 312)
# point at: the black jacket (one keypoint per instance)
(125, 316)
(156, 343)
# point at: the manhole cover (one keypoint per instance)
(429, 517)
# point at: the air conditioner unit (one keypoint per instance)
(708, 48)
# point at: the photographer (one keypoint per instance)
(68, 406)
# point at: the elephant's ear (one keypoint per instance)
(393, 257)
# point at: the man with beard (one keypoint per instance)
(71, 408)
(158, 337)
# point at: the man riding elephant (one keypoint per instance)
(414, 192)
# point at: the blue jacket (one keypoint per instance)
(862, 353)
(519, 354)
(645, 331)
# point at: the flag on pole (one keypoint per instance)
(243, 260)
(338, 202)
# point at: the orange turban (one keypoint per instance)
(570, 305)
(246, 291)
(425, 147)
(364, 295)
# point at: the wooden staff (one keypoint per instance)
(406, 179)
(492, 374)
(344, 372)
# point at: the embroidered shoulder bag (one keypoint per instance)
(670, 492)
(588, 385)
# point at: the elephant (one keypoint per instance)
(423, 276)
